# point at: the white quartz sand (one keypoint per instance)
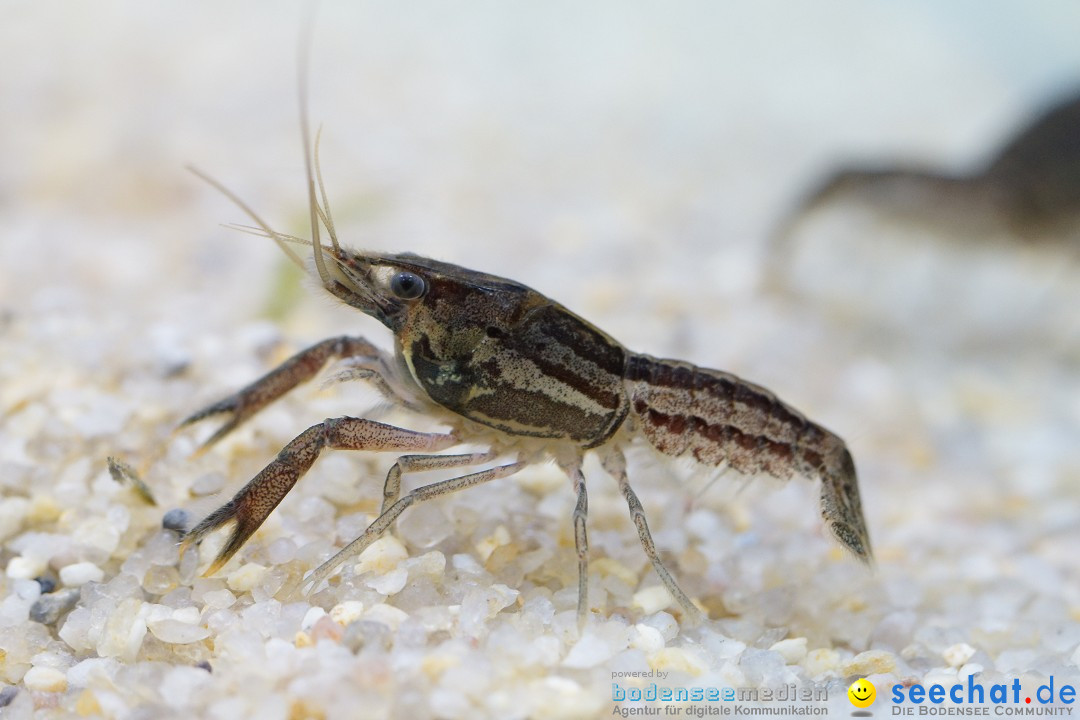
(626, 160)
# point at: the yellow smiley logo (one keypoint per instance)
(862, 693)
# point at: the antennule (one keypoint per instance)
(327, 218)
(313, 204)
(267, 230)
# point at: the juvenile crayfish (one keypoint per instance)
(506, 367)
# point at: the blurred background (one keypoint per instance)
(592, 140)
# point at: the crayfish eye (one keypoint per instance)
(407, 285)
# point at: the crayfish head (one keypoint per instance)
(417, 297)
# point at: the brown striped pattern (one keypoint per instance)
(717, 418)
(553, 376)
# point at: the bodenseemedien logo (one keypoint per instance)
(787, 701)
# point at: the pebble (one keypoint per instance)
(679, 660)
(466, 564)
(312, 616)
(820, 661)
(663, 622)
(436, 663)
(325, 628)
(588, 652)
(763, 668)
(389, 584)
(387, 615)
(123, 631)
(246, 577)
(281, 551)
(218, 599)
(81, 573)
(176, 519)
(98, 533)
(188, 614)
(793, 650)
(207, 484)
(431, 564)
(724, 648)
(488, 545)
(646, 639)
(557, 698)
(48, 608)
(381, 556)
(160, 579)
(45, 679)
(364, 633)
(7, 695)
(12, 514)
(871, 662)
(345, 613)
(87, 705)
(21, 567)
(177, 632)
(652, 599)
(610, 566)
(43, 509)
(958, 654)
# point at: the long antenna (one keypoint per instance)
(266, 229)
(313, 206)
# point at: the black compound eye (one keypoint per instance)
(407, 285)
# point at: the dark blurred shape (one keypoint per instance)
(1037, 175)
(47, 583)
(1029, 189)
(48, 609)
(177, 520)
